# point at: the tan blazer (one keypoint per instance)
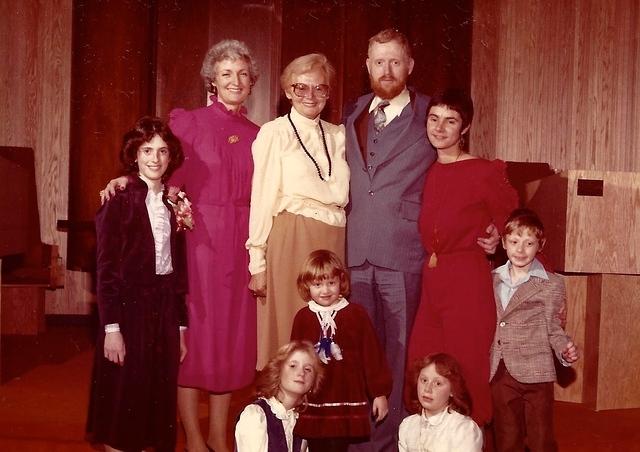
(529, 331)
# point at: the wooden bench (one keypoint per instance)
(28, 265)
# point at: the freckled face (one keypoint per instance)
(325, 292)
(522, 247)
(434, 390)
(297, 376)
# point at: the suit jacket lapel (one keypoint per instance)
(353, 147)
(523, 293)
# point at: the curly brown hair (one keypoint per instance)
(143, 131)
(268, 383)
(448, 367)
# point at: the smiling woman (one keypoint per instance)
(299, 191)
(463, 195)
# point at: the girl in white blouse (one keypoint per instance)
(443, 424)
(266, 425)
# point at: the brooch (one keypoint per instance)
(233, 139)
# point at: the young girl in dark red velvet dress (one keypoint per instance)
(357, 379)
(140, 285)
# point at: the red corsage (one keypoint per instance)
(182, 208)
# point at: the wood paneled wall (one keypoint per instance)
(35, 47)
(558, 87)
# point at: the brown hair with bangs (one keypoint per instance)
(320, 265)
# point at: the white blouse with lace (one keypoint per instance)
(285, 178)
(251, 430)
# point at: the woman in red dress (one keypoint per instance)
(462, 195)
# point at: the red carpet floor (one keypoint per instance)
(43, 401)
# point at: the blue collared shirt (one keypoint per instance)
(506, 288)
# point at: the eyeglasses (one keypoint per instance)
(302, 90)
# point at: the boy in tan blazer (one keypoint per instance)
(528, 331)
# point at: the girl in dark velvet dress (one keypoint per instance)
(140, 285)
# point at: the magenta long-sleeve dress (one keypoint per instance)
(216, 174)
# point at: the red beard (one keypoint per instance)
(387, 91)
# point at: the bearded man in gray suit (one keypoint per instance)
(388, 154)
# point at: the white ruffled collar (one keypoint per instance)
(280, 411)
(341, 304)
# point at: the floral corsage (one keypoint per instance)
(181, 207)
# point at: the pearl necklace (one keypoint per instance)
(306, 151)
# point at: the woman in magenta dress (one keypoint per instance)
(462, 195)
(216, 174)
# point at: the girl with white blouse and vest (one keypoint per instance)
(267, 424)
(443, 423)
(299, 190)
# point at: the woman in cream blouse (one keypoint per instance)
(299, 190)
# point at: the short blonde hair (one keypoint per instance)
(307, 63)
(322, 264)
(268, 383)
(227, 49)
(525, 219)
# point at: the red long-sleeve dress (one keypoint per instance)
(457, 313)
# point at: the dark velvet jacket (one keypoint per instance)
(126, 252)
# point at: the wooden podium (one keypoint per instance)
(592, 220)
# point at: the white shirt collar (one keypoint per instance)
(536, 269)
(396, 105)
(436, 419)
